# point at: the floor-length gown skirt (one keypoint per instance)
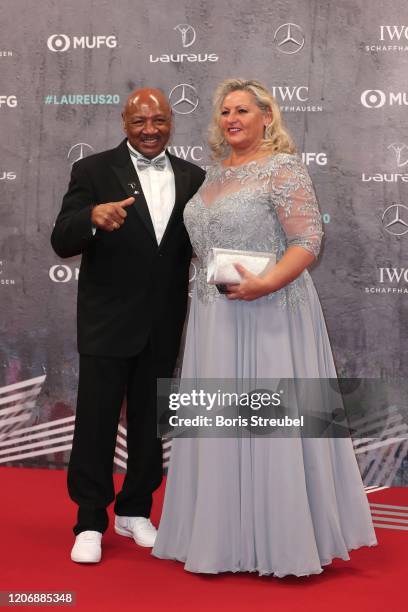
(271, 505)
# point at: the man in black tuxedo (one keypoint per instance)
(124, 213)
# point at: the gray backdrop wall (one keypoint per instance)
(338, 69)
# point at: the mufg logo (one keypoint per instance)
(10, 101)
(61, 273)
(58, 43)
(376, 98)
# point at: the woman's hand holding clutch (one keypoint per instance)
(295, 260)
(250, 288)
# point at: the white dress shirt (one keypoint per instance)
(159, 190)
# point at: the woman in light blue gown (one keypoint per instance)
(269, 505)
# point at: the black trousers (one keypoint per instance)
(103, 384)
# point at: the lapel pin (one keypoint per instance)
(133, 187)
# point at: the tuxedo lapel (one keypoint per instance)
(125, 171)
(181, 179)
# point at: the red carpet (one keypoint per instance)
(36, 539)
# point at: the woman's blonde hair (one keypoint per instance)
(276, 138)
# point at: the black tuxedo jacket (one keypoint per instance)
(129, 288)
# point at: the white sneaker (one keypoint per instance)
(137, 527)
(87, 547)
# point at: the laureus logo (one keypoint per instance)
(188, 38)
(188, 34)
(7, 176)
(400, 150)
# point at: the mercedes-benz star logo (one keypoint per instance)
(183, 99)
(188, 34)
(79, 151)
(401, 153)
(393, 220)
(289, 38)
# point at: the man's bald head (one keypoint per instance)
(147, 95)
(147, 121)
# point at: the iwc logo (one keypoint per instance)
(194, 153)
(187, 37)
(392, 38)
(390, 280)
(294, 98)
(289, 38)
(3, 279)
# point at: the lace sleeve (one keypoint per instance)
(294, 200)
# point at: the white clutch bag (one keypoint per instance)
(221, 269)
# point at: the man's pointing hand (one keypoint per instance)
(110, 216)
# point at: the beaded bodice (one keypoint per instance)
(264, 205)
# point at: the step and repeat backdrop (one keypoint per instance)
(338, 71)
